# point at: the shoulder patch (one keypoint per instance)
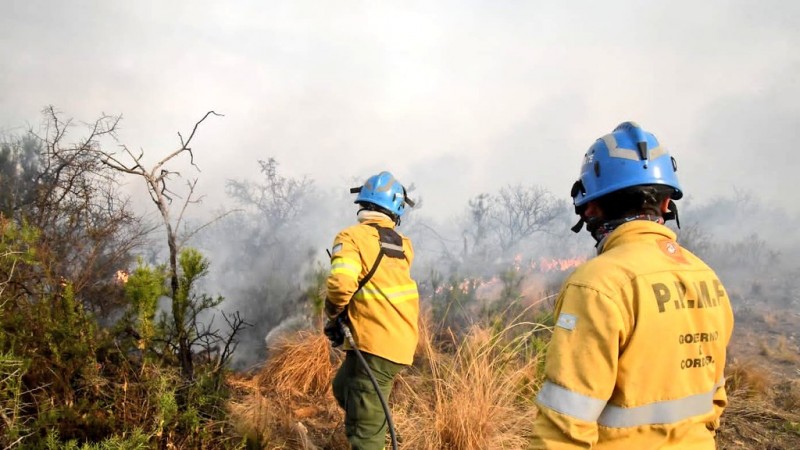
(567, 321)
(673, 250)
(336, 248)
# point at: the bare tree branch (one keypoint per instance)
(156, 180)
(219, 217)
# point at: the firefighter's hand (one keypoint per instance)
(333, 330)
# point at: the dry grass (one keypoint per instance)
(789, 395)
(748, 379)
(478, 398)
(476, 394)
(750, 423)
(780, 350)
(300, 366)
(288, 404)
(770, 318)
(761, 411)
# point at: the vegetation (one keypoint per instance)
(90, 359)
(109, 338)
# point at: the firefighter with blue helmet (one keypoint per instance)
(370, 288)
(638, 351)
(385, 192)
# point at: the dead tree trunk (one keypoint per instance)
(156, 180)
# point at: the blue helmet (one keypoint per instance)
(629, 156)
(385, 191)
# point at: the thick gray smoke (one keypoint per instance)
(752, 246)
(269, 262)
(268, 257)
(461, 98)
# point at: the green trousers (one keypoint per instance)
(364, 420)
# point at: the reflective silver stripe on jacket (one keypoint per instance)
(576, 405)
(398, 248)
(591, 409)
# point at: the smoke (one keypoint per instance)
(269, 269)
(458, 99)
(750, 245)
(268, 256)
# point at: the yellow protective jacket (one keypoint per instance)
(638, 350)
(384, 314)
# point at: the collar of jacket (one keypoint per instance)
(633, 231)
(374, 217)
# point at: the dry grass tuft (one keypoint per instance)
(760, 412)
(288, 404)
(748, 379)
(750, 422)
(789, 395)
(770, 318)
(300, 365)
(780, 350)
(480, 397)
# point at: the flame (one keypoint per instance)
(546, 264)
(517, 263)
(121, 277)
(464, 286)
(541, 265)
(556, 264)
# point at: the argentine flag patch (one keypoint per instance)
(566, 321)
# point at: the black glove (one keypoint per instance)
(333, 330)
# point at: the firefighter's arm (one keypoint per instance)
(720, 402)
(409, 250)
(580, 369)
(343, 278)
(720, 399)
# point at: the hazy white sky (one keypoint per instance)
(457, 97)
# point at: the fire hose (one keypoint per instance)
(349, 336)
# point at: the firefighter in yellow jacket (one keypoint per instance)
(370, 287)
(638, 349)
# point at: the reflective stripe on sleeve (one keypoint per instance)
(341, 265)
(575, 405)
(591, 409)
(667, 411)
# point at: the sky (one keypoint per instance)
(457, 98)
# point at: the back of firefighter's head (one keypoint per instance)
(382, 193)
(625, 174)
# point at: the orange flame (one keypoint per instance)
(556, 264)
(121, 277)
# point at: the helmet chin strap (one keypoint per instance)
(578, 226)
(672, 213)
(592, 224)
